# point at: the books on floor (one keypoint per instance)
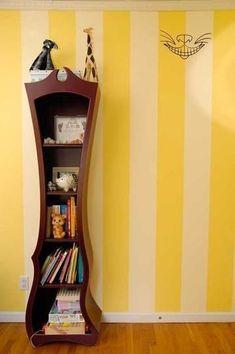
(68, 315)
(65, 328)
(65, 316)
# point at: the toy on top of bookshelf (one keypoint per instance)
(43, 60)
(90, 72)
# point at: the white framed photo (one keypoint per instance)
(69, 129)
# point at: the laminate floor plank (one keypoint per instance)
(130, 338)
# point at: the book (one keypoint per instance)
(70, 295)
(69, 217)
(48, 225)
(80, 272)
(70, 264)
(74, 267)
(68, 299)
(50, 266)
(65, 316)
(65, 266)
(63, 211)
(57, 266)
(68, 305)
(72, 216)
(55, 209)
(69, 278)
(46, 262)
(65, 328)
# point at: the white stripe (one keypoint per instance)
(198, 114)
(32, 40)
(142, 162)
(95, 186)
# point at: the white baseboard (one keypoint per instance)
(152, 317)
(167, 317)
(12, 316)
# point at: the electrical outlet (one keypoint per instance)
(24, 282)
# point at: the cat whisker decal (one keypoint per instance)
(184, 45)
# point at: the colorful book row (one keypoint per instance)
(63, 266)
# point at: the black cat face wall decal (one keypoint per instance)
(184, 44)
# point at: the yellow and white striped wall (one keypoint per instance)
(162, 179)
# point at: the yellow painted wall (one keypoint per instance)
(11, 206)
(179, 155)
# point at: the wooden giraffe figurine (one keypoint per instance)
(90, 72)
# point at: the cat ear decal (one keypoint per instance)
(184, 45)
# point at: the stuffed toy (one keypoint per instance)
(67, 182)
(58, 222)
(43, 60)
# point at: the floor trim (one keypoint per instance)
(130, 317)
(12, 316)
(167, 317)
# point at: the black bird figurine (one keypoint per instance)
(43, 60)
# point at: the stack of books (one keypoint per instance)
(63, 266)
(69, 210)
(65, 316)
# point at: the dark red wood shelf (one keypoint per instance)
(58, 285)
(69, 193)
(54, 146)
(61, 240)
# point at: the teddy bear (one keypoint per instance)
(58, 222)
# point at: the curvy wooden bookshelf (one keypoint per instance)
(48, 98)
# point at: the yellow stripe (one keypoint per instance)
(170, 168)
(116, 159)
(11, 162)
(62, 30)
(222, 200)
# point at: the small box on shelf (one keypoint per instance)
(38, 75)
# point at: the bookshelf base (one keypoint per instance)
(39, 339)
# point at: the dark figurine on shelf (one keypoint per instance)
(51, 186)
(43, 60)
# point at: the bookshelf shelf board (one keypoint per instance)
(54, 146)
(41, 338)
(69, 193)
(61, 240)
(59, 285)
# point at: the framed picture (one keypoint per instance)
(69, 130)
(60, 171)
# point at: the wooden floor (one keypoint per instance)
(213, 338)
